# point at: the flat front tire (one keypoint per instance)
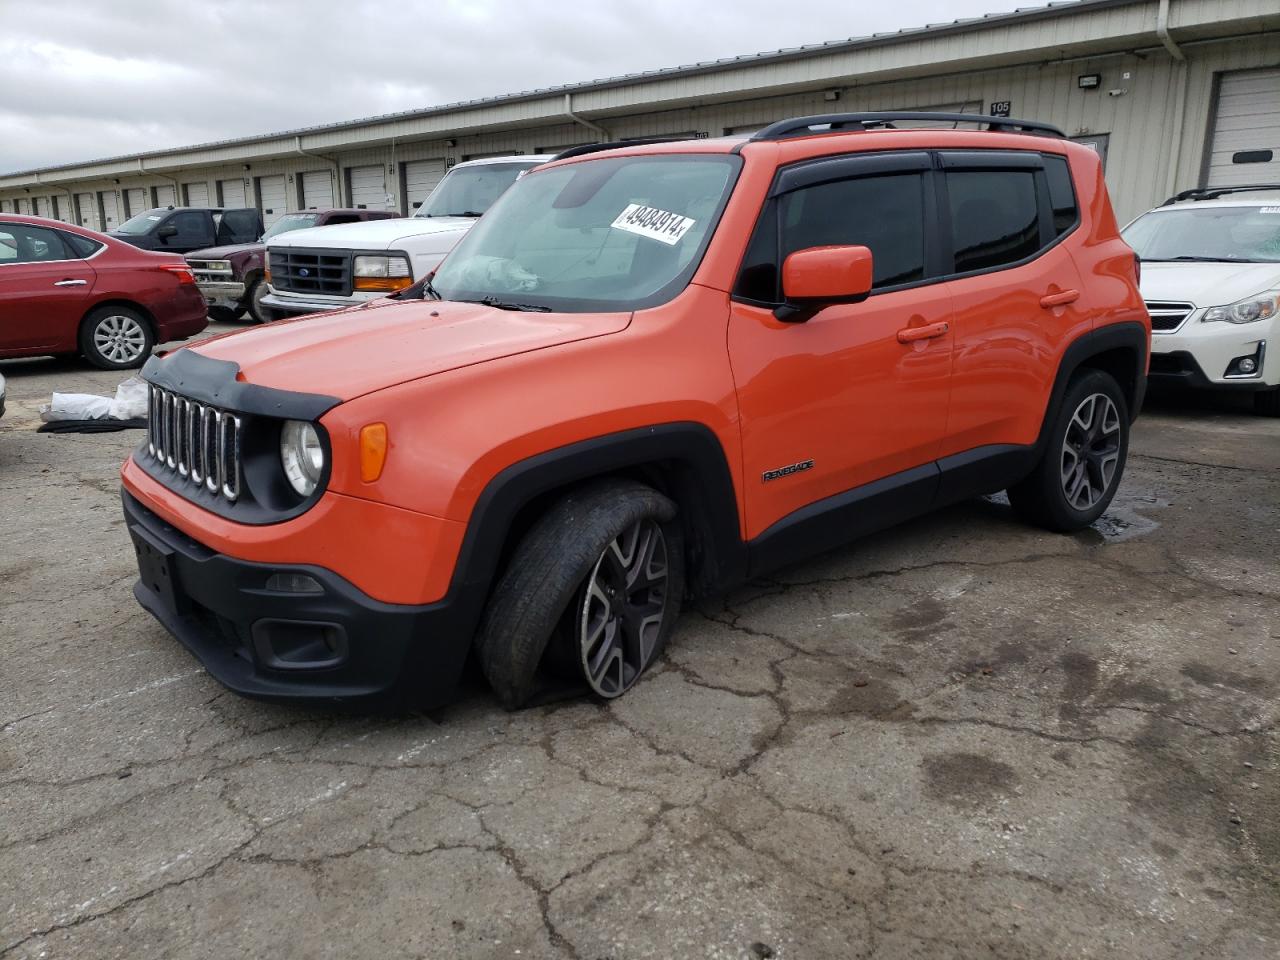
(594, 588)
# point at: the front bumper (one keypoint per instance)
(332, 644)
(299, 305)
(221, 293)
(1201, 354)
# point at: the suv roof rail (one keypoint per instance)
(802, 126)
(612, 145)
(1212, 193)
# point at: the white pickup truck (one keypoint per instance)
(328, 268)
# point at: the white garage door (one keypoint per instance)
(88, 207)
(165, 197)
(231, 193)
(110, 210)
(42, 206)
(135, 201)
(420, 178)
(271, 198)
(368, 187)
(1246, 130)
(317, 189)
(195, 194)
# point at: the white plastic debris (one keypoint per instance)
(130, 403)
(131, 400)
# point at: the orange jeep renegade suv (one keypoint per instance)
(649, 372)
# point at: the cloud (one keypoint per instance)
(82, 79)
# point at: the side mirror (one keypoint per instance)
(167, 231)
(817, 276)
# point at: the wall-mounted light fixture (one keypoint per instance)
(451, 143)
(1089, 81)
(830, 95)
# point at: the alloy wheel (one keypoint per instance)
(1090, 451)
(119, 338)
(622, 609)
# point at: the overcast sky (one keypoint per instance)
(85, 79)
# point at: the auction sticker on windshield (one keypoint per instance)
(653, 223)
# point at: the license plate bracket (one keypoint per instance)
(156, 567)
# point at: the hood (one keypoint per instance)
(379, 234)
(353, 352)
(1207, 284)
(222, 253)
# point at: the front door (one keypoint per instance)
(44, 288)
(853, 400)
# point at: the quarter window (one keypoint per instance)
(1061, 195)
(994, 217)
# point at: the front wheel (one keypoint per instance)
(1084, 459)
(257, 311)
(116, 338)
(599, 578)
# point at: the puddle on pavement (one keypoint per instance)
(1123, 520)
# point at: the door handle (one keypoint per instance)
(1050, 300)
(72, 283)
(927, 332)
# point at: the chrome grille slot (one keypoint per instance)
(1168, 315)
(198, 443)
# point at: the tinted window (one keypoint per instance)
(82, 246)
(20, 243)
(191, 226)
(1062, 197)
(994, 217)
(883, 213)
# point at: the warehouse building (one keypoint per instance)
(1171, 93)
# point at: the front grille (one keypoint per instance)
(1167, 316)
(197, 443)
(311, 271)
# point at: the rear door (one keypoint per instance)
(193, 231)
(239, 226)
(44, 288)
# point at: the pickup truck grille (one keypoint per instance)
(311, 271)
(1167, 316)
(197, 443)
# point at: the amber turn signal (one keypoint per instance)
(382, 284)
(373, 451)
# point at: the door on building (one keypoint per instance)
(195, 194)
(420, 178)
(42, 206)
(317, 190)
(231, 194)
(135, 201)
(1245, 146)
(1097, 142)
(88, 211)
(110, 209)
(166, 196)
(272, 203)
(367, 187)
(24, 206)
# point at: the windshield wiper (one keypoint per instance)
(429, 292)
(508, 305)
(1205, 259)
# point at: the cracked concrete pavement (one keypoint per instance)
(958, 738)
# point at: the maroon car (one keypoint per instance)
(67, 290)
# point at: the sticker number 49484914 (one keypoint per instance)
(653, 223)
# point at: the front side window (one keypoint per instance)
(20, 243)
(190, 226)
(1234, 234)
(616, 233)
(994, 217)
(471, 191)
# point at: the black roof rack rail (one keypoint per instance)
(1212, 193)
(802, 126)
(586, 148)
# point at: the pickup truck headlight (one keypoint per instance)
(217, 266)
(302, 456)
(1246, 311)
(382, 273)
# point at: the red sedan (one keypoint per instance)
(67, 290)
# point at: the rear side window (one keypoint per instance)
(994, 217)
(83, 246)
(1062, 196)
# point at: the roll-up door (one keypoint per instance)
(368, 187)
(110, 210)
(420, 178)
(317, 189)
(135, 201)
(24, 206)
(42, 206)
(1245, 147)
(231, 194)
(271, 198)
(166, 197)
(88, 208)
(195, 194)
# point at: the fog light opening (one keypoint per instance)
(293, 583)
(1248, 366)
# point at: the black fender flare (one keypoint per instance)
(1127, 335)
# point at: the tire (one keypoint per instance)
(1084, 459)
(258, 312)
(222, 314)
(1266, 403)
(565, 586)
(116, 338)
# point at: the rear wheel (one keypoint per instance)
(1077, 476)
(116, 338)
(1267, 402)
(599, 577)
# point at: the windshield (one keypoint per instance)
(142, 223)
(290, 221)
(1231, 234)
(608, 234)
(471, 191)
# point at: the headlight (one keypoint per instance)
(384, 274)
(1246, 311)
(220, 266)
(301, 456)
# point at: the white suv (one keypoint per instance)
(1211, 280)
(328, 268)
